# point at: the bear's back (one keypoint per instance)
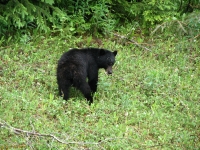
(79, 56)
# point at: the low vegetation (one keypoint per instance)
(150, 102)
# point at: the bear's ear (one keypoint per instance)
(115, 53)
(102, 52)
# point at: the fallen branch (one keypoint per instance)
(197, 36)
(181, 26)
(30, 133)
(133, 41)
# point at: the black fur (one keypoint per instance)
(76, 65)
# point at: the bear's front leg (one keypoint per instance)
(93, 84)
(89, 99)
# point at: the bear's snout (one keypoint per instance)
(109, 70)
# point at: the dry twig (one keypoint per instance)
(133, 41)
(197, 36)
(32, 133)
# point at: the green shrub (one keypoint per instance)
(93, 17)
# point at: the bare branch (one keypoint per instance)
(131, 40)
(181, 26)
(197, 36)
(30, 133)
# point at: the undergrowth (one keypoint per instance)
(150, 102)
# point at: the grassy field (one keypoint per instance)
(152, 100)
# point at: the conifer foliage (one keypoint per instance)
(99, 16)
(19, 14)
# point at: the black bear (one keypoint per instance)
(76, 65)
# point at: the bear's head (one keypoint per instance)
(106, 60)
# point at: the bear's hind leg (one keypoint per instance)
(59, 87)
(59, 90)
(64, 87)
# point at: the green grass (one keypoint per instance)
(150, 102)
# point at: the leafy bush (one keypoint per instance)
(78, 17)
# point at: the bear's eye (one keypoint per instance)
(108, 58)
(110, 63)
